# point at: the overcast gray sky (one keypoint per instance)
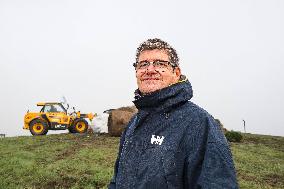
(231, 51)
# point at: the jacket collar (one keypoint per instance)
(164, 98)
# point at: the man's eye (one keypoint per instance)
(160, 63)
(142, 64)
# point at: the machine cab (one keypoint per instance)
(53, 108)
(56, 115)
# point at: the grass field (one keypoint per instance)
(86, 161)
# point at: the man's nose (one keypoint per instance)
(151, 68)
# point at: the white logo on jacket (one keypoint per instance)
(157, 139)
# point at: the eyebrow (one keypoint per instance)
(154, 60)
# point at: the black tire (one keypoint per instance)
(79, 126)
(38, 127)
(70, 129)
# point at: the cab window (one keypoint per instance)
(53, 108)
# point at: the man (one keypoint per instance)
(170, 142)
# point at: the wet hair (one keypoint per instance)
(152, 44)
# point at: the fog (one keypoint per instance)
(231, 51)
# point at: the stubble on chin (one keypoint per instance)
(150, 86)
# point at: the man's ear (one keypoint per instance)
(177, 72)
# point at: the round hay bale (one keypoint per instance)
(118, 120)
(131, 109)
(221, 126)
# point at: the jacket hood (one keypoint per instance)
(164, 98)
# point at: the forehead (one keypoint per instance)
(155, 54)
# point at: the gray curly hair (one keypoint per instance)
(151, 44)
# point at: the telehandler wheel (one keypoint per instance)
(80, 126)
(71, 129)
(38, 127)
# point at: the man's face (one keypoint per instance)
(153, 78)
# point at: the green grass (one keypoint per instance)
(86, 161)
(57, 161)
(259, 161)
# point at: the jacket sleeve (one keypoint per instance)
(215, 163)
(112, 184)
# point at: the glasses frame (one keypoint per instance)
(153, 62)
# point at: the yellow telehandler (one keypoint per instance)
(54, 116)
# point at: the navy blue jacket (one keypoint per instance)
(173, 143)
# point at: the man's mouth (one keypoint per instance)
(149, 79)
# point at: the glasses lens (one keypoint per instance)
(142, 64)
(160, 64)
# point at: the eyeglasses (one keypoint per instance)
(159, 64)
